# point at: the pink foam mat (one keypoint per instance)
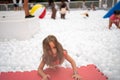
(89, 72)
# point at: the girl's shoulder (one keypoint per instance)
(112, 17)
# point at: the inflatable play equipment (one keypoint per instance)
(38, 10)
(111, 11)
(89, 72)
(17, 27)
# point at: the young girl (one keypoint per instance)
(53, 8)
(63, 9)
(115, 19)
(54, 55)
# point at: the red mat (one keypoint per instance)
(89, 72)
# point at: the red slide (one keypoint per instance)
(89, 72)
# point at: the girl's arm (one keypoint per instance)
(41, 72)
(110, 23)
(73, 64)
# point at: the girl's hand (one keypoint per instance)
(46, 77)
(76, 77)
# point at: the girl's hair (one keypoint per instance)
(117, 12)
(47, 58)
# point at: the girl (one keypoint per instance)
(54, 55)
(115, 18)
(53, 8)
(63, 9)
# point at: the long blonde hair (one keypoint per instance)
(47, 58)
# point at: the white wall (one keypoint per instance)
(17, 27)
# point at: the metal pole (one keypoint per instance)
(113, 3)
(105, 1)
(100, 3)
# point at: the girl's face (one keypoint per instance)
(53, 49)
(118, 16)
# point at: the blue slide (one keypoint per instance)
(111, 11)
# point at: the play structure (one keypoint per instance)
(89, 72)
(38, 10)
(111, 11)
(13, 25)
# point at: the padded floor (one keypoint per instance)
(89, 72)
